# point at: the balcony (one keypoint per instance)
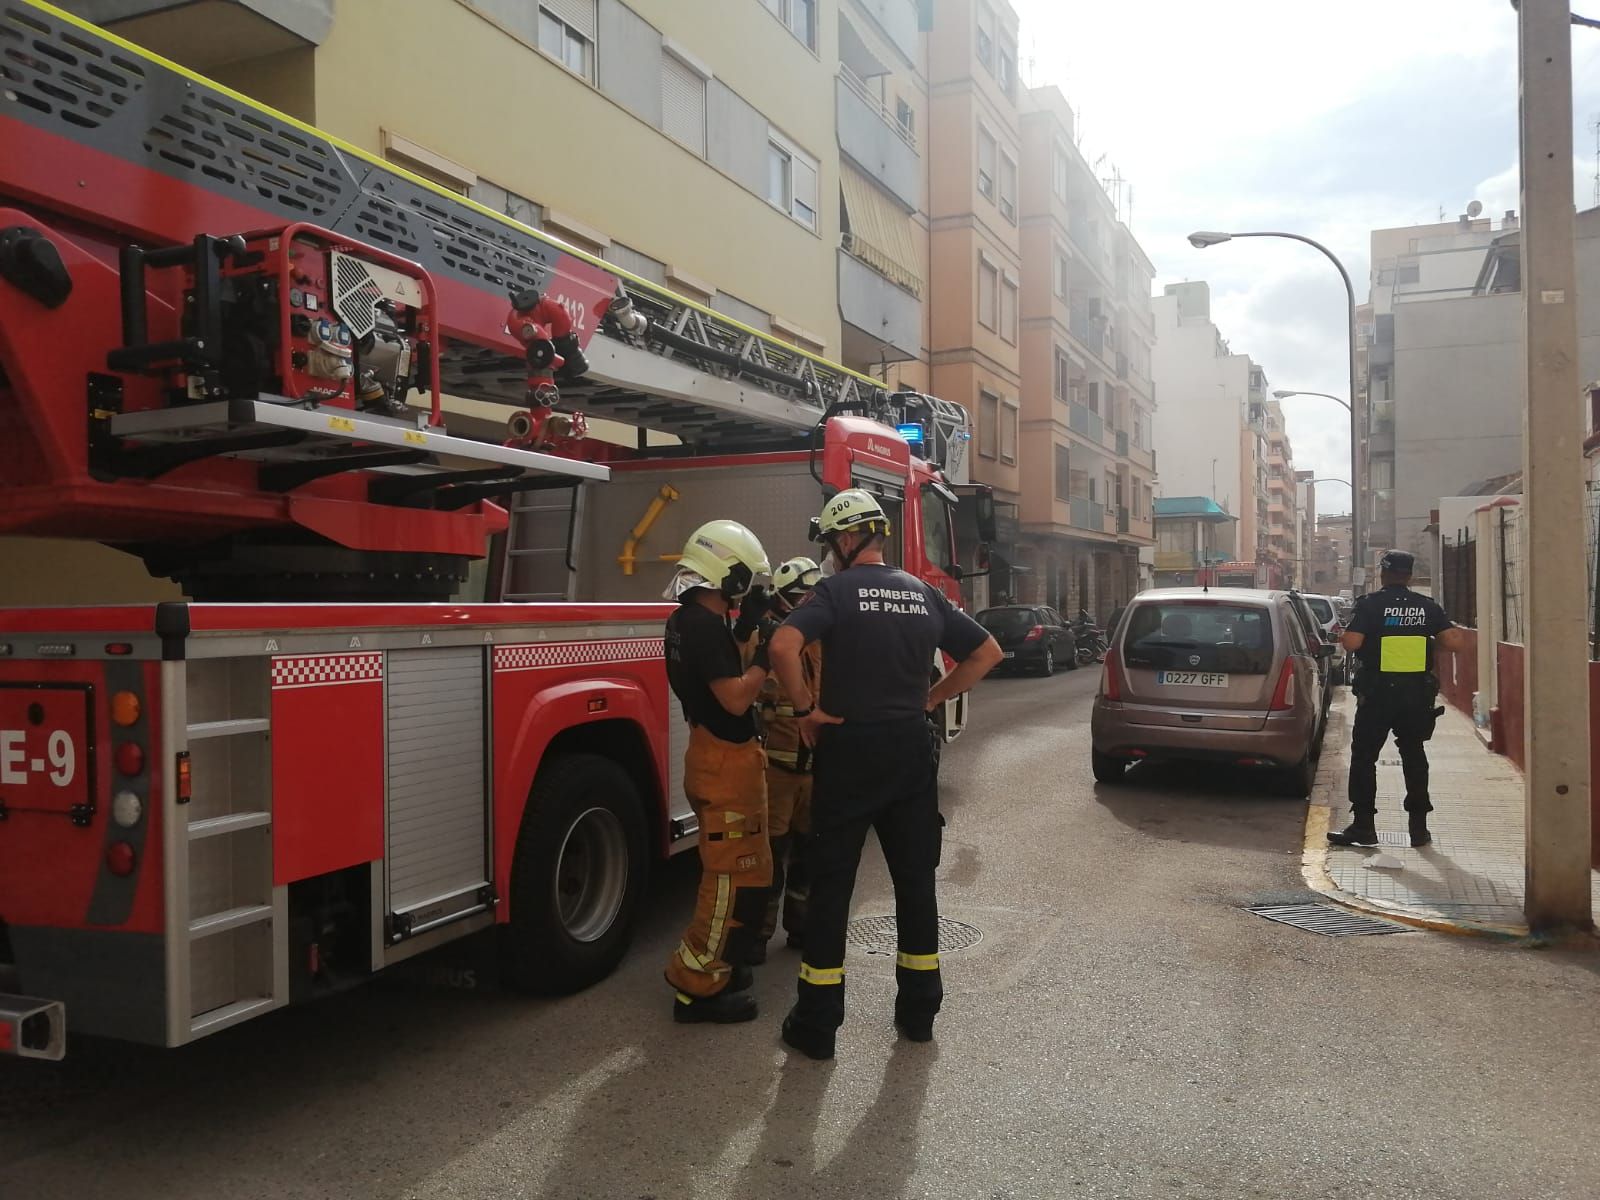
(1123, 523)
(898, 21)
(877, 312)
(1088, 514)
(1087, 422)
(1122, 443)
(1122, 365)
(209, 36)
(871, 137)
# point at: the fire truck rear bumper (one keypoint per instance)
(33, 1028)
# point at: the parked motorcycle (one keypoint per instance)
(1089, 638)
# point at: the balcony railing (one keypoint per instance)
(862, 92)
(1087, 422)
(1122, 520)
(1122, 443)
(1088, 514)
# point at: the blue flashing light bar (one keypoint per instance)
(913, 433)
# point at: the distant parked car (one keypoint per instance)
(1210, 676)
(1033, 637)
(1326, 610)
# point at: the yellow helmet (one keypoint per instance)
(796, 575)
(853, 510)
(726, 555)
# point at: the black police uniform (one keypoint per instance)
(879, 629)
(1396, 690)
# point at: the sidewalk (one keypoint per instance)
(1471, 877)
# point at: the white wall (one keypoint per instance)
(1197, 420)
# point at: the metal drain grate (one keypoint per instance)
(879, 935)
(1324, 919)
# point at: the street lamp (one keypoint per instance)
(1282, 395)
(1201, 239)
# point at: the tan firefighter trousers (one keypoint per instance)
(726, 783)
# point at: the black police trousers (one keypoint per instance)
(879, 776)
(1405, 708)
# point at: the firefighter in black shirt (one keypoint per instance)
(880, 629)
(1392, 634)
(724, 770)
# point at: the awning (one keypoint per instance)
(881, 234)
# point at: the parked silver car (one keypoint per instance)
(1225, 676)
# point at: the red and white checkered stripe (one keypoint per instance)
(542, 655)
(324, 670)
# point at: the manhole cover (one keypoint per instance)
(878, 935)
(1324, 919)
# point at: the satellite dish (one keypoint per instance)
(1475, 208)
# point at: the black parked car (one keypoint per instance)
(1033, 636)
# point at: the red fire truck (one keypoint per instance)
(415, 688)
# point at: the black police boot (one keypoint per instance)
(1359, 832)
(1420, 835)
(913, 1026)
(810, 1041)
(725, 1008)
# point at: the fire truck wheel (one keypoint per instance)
(577, 877)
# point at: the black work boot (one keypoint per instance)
(1420, 835)
(740, 980)
(1359, 832)
(810, 1041)
(725, 1008)
(913, 1026)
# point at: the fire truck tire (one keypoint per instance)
(577, 877)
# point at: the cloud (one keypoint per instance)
(1261, 114)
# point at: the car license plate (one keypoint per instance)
(44, 748)
(1192, 679)
(1011, 653)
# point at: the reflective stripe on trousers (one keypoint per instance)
(727, 788)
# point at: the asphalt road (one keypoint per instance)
(1123, 1029)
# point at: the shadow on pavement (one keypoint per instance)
(1201, 803)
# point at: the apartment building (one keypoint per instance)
(1088, 478)
(1215, 405)
(1305, 535)
(1283, 506)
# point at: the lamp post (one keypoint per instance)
(1201, 240)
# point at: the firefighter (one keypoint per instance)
(1392, 634)
(788, 760)
(724, 770)
(879, 628)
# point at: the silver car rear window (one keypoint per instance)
(1199, 635)
(1321, 608)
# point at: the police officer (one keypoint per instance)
(724, 770)
(1392, 633)
(879, 628)
(788, 760)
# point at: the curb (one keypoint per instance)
(1314, 870)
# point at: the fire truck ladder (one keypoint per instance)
(658, 361)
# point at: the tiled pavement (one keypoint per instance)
(1473, 871)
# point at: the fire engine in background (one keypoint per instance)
(417, 690)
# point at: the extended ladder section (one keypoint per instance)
(658, 361)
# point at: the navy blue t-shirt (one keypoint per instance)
(1398, 627)
(879, 629)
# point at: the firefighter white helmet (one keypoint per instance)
(796, 575)
(726, 555)
(851, 511)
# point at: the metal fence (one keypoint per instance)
(1593, 499)
(1458, 582)
(1508, 536)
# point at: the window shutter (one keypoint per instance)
(683, 104)
(579, 14)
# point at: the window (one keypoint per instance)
(986, 29)
(1059, 182)
(683, 102)
(988, 424)
(1063, 375)
(1408, 273)
(1008, 188)
(905, 115)
(800, 16)
(791, 179)
(1008, 308)
(431, 165)
(1063, 473)
(937, 542)
(1094, 397)
(639, 264)
(988, 152)
(988, 293)
(566, 34)
(1008, 432)
(502, 200)
(1063, 275)
(1007, 74)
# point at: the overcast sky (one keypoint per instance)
(1328, 120)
